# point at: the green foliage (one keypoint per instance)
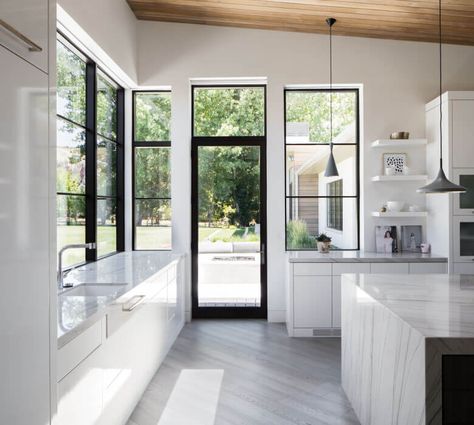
(152, 117)
(229, 185)
(106, 108)
(297, 235)
(314, 108)
(229, 112)
(235, 235)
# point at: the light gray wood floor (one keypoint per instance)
(269, 378)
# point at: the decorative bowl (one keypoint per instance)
(395, 206)
(403, 135)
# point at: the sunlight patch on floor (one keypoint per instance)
(194, 398)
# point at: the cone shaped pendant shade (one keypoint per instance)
(441, 184)
(331, 168)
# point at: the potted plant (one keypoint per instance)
(324, 242)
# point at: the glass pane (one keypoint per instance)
(71, 85)
(70, 158)
(466, 200)
(106, 168)
(305, 166)
(152, 173)
(229, 111)
(106, 226)
(153, 224)
(152, 117)
(309, 217)
(71, 226)
(106, 108)
(308, 116)
(229, 261)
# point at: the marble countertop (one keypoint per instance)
(116, 275)
(436, 305)
(362, 257)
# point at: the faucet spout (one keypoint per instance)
(60, 277)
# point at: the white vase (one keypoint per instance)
(324, 247)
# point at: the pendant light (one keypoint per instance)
(331, 168)
(441, 184)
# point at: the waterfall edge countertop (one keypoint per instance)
(362, 257)
(397, 333)
(109, 279)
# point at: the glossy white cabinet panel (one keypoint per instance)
(311, 296)
(336, 301)
(24, 247)
(462, 131)
(464, 268)
(417, 268)
(389, 268)
(27, 18)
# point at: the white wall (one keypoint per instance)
(398, 79)
(112, 25)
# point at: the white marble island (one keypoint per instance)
(403, 340)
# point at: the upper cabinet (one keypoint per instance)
(463, 133)
(24, 30)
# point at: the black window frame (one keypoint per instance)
(90, 128)
(291, 198)
(146, 144)
(228, 312)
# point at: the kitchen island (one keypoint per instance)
(408, 348)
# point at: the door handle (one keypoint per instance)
(32, 46)
(262, 254)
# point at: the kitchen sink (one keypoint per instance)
(110, 290)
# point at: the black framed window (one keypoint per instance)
(316, 204)
(152, 171)
(89, 164)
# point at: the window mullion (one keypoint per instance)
(91, 159)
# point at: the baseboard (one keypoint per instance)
(276, 316)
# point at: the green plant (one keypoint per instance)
(298, 236)
(323, 238)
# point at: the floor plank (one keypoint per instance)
(268, 377)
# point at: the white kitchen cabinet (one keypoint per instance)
(24, 251)
(389, 268)
(314, 292)
(24, 30)
(417, 268)
(311, 296)
(462, 147)
(133, 345)
(463, 268)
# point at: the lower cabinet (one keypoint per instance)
(104, 388)
(314, 301)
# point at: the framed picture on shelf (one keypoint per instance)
(397, 161)
(386, 241)
(411, 237)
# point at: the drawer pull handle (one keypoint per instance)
(32, 46)
(133, 302)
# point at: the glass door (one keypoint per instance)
(229, 231)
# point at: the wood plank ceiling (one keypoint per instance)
(415, 20)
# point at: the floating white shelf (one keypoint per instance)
(395, 143)
(390, 214)
(400, 178)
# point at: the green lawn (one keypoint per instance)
(153, 237)
(234, 235)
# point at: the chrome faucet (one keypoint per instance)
(61, 274)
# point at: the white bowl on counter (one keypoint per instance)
(395, 206)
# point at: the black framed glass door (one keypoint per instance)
(229, 276)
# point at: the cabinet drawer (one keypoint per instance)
(341, 268)
(312, 301)
(417, 268)
(389, 268)
(79, 348)
(312, 269)
(464, 268)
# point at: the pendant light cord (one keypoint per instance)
(330, 85)
(440, 87)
